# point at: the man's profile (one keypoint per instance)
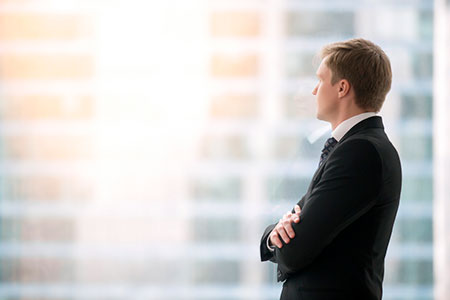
(333, 243)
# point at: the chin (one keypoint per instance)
(322, 116)
(319, 116)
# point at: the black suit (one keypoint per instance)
(346, 221)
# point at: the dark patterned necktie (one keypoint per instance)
(329, 145)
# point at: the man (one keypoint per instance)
(333, 243)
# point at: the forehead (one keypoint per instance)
(323, 69)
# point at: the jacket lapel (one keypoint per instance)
(372, 122)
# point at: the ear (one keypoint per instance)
(343, 88)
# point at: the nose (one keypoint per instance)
(314, 91)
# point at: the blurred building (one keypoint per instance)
(144, 148)
(46, 108)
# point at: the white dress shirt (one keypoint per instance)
(338, 133)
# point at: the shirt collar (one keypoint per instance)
(339, 132)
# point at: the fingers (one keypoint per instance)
(296, 216)
(284, 228)
(283, 231)
(275, 240)
(287, 225)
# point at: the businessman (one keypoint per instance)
(333, 243)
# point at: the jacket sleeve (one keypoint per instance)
(265, 253)
(347, 189)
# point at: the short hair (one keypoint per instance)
(365, 66)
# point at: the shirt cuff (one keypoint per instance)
(268, 246)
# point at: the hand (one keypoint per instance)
(284, 228)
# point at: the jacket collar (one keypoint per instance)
(372, 122)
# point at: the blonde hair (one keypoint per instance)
(366, 67)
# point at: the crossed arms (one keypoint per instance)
(348, 188)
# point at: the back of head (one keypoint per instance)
(365, 66)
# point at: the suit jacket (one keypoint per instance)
(345, 223)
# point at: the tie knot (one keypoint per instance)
(329, 145)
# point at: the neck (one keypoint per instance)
(341, 116)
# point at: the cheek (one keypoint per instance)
(324, 91)
(320, 90)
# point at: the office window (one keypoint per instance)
(230, 147)
(229, 65)
(417, 272)
(418, 188)
(36, 270)
(220, 271)
(319, 23)
(46, 107)
(416, 106)
(423, 65)
(422, 149)
(215, 230)
(425, 25)
(287, 189)
(299, 65)
(45, 188)
(235, 24)
(415, 230)
(216, 189)
(299, 105)
(41, 147)
(235, 106)
(37, 229)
